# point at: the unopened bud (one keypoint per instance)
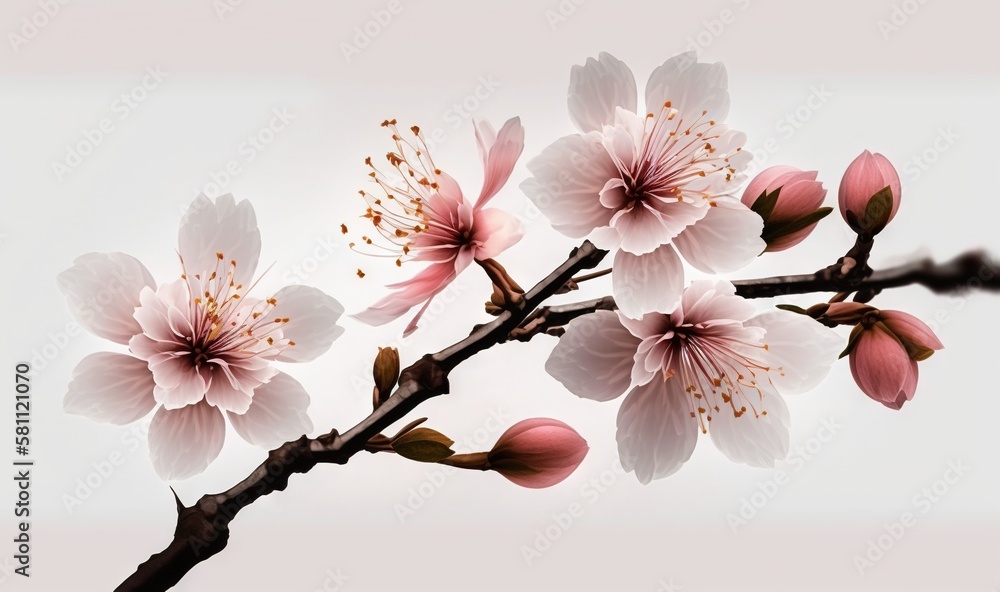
(538, 452)
(386, 373)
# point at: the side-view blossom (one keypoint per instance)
(884, 349)
(200, 346)
(788, 200)
(869, 193)
(710, 366)
(420, 214)
(538, 452)
(653, 185)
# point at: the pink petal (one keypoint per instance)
(909, 328)
(797, 199)
(726, 239)
(647, 283)
(652, 223)
(597, 88)
(276, 415)
(222, 226)
(500, 158)
(569, 176)
(496, 231)
(755, 440)
(183, 442)
(800, 351)
(865, 176)
(880, 365)
(110, 388)
(767, 181)
(656, 433)
(222, 394)
(102, 292)
(312, 324)
(178, 382)
(707, 301)
(594, 358)
(691, 88)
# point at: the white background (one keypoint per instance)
(893, 90)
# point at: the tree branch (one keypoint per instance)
(203, 529)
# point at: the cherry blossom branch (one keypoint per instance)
(969, 271)
(203, 528)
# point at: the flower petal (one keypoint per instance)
(880, 365)
(223, 394)
(276, 415)
(726, 239)
(909, 328)
(500, 155)
(431, 280)
(691, 88)
(647, 283)
(593, 359)
(496, 231)
(223, 226)
(102, 291)
(597, 88)
(757, 440)
(183, 442)
(656, 433)
(110, 388)
(178, 382)
(800, 351)
(652, 223)
(569, 176)
(312, 324)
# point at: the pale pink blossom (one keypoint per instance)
(865, 177)
(884, 352)
(652, 185)
(710, 366)
(793, 213)
(199, 345)
(537, 453)
(421, 214)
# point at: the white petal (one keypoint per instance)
(110, 388)
(756, 440)
(102, 291)
(800, 350)
(691, 88)
(647, 283)
(222, 394)
(597, 88)
(568, 178)
(183, 442)
(312, 324)
(726, 239)
(276, 415)
(656, 433)
(705, 301)
(222, 226)
(594, 358)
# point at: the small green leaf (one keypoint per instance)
(792, 308)
(765, 203)
(423, 445)
(776, 231)
(852, 341)
(877, 211)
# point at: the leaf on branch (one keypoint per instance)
(878, 210)
(792, 308)
(423, 445)
(764, 204)
(776, 231)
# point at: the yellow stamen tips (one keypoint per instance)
(704, 112)
(416, 130)
(212, 277)
(350, 245)
(233, 262)
(343, 229)
(406, 249)
(236, 296)
(399, 262)
(197, 276)
(650, 116)
(368, 160)
(361, 274)
(766, 347)
(256, 315)
(701, 173)
(667, 104)
(197, 300)
(219, 255)
(277, 320)
(763, 412)
(701, 410)
(290, 342)
(270, 341)
(713, 204)
(437, 172)
(402, 233)
(272, 301)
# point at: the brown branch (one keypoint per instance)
(203, 528)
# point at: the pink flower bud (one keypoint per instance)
(789, 200)
(884, 352)
(538, 452)
(864, 179)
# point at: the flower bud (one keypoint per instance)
(385, 370)
(847, 313)
(538, 452)
(884, 350)
(869, 193)
(789, 201)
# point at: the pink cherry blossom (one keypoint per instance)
(799, 197)
(710, 366)
(867, 175)
(200, 345)
(422, 215)
(884, 353)
(538, 452)
(652, 185)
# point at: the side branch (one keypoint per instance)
(203, 529)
